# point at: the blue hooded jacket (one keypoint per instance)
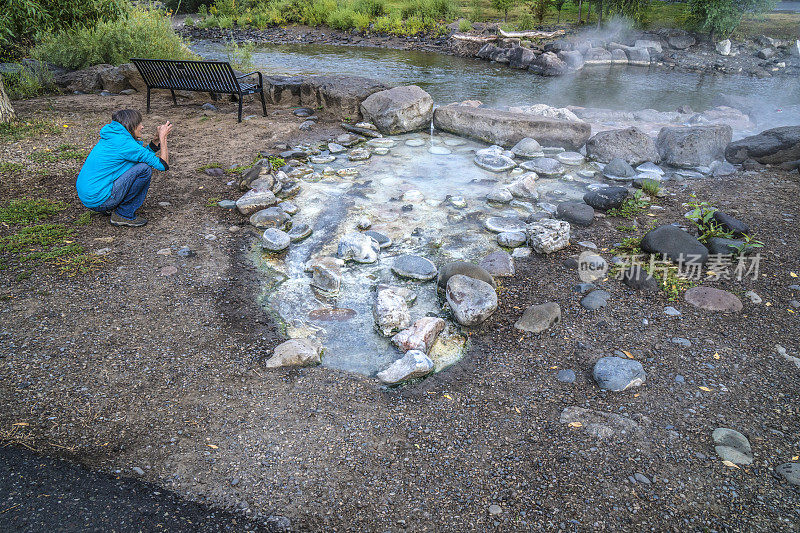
(114, 155)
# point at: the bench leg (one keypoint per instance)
(174, 100)
(148, 99)
(263, 104)
(240, 107)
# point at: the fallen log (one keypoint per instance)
(474, 38)
(529, 34)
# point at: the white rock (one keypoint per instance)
(295, 352)
(724, 47)
(391, 312)
(525, 186)
(255, 200)
(358, 247)
(547, 235)
(471, 300)
(420, 336)
(414, 364)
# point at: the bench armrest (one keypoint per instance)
(260, 77)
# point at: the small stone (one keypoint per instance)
(618, 169)
(547, 235)
(606, 198)
(671, 311)
(527, 148)
(591, 267)
(255, 200)
(382, 240)
(712, 299)
(544, 166)
(617, 374)
(521, 253)
(138, 471)
(464, 268)
(414, 364)
(295, 352)
(164, 251)
(326, 275)
(419, 336)
(271, 217)
(566, 376)
(275, 240)
(185, 251)
(511, 239)
(415, 142)
(499, 264)
(495, 509)
(753, 297)
(504, 224)
(439, 150)
(168, 270)
(680, 341)
(790, 472)
(335, 148)
(641, 478)
(570, 158)
(359, 154)
(639, 279)
(732, 446)
(494, 163)
(471, 300)
(539, 318)
(288, 207)
(226, 204)
(577, 213)
(525, 187)
(414, 267)
(363, 223)
(458, 202)
(500, 195)
(595, 300)
(303, 112)
(358, 247)
(299, 231)
(391, 312)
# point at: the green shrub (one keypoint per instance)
(185, 6)
(31, 79)
(476, 11)
(21, 19)
(433, 9)
(224, 22)
(722, 17)
(373, 8)
(361, 21)
(316, 12)
(343, 18)
(142, 32)
(391, 24)
(240, 55)
(464, 25)
(189, 22)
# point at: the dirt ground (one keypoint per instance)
(127, 368)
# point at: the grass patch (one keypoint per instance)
(207, 166)
(630, 246)
(630, 207)
(28, 210)
(7, 167)
(671, 283)
(212, 202)
(64, 152)
(626, 229)
(17, 130)
(651, 187)
(85, 218)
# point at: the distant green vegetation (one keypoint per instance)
(136, 32)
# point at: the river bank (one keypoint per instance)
(480, 446)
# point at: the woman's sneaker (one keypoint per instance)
(117, 220)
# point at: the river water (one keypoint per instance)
(775, 101)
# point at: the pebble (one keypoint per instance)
(504, 224)
(732, 446)
(511, 239)
(495, 509)
(164, 251)
(439, 150)
(566, 376)
(414, 267)
(521, 252)
(415, 142)
(680, 341)
(671, 311)
(595, 300)
(335, 148)
(275, 240)
(168, 270)
(138, 471)
(226, 204)
(753, 297)
(618, 374)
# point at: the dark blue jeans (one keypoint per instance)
(128, 192)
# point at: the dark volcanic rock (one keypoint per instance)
(606, 198)
(693, 146)
(578, 213)
(638, 278)
(729, 223)
(632, 145)
(675, 244)
(465, 269)
(775, 146)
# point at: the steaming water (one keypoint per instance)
(432, 228)
(775, 101)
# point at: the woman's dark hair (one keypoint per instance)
(130, 118)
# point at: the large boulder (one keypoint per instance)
(341, 95)
(114, 80)
(86, 80)
(548, 235)
(506, 128)
(520, 57)
(630, 144)
(606, 198)
(548, 64)
(572, 59)
(471, 300)
(775, 146)
(132, 76)
(693, 146)
(283, 90)
(675, 244)
(399, 110)
(681, 41)
(597, 56)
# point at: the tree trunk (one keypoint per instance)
(559, 17)
(580, 11)
(599, 13)
(6, 111)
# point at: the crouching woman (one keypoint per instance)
(116, 175)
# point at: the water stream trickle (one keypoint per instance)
(407, 194)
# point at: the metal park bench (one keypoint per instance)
(199, 76)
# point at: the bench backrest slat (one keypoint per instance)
(207, 76)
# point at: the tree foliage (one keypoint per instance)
(722, 17)
(632, 9)
(504, 6)
(20, 20)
